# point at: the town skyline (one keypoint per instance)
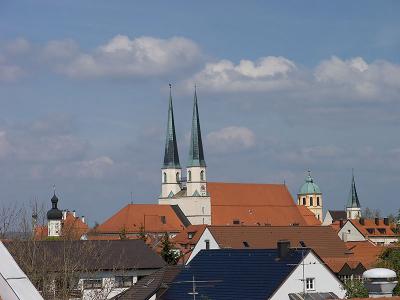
(87, 110)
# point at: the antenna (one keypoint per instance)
(131, 197)
(193, 292)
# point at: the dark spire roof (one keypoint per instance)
(54, 213)
(353, 201)
(171, 156)
(196, 154)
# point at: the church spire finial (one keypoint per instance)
(196, 153)
(171, 156)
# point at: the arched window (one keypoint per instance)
(318, 204)
(202, 175)
(189, 175)
(177, 177)
(304, 201)
(165, 177)
(311, 202)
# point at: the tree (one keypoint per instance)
(390, 258)
(355, 289)
(170, 256)
(142, 234)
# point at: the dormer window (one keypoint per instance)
(382, 230)
(163, 219)
(370, 230)
(236, 222)
(190, 235)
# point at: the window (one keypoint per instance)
(318, 204)
(202, 175)
(163, 219)
(207, 244)
(165, 177)
(382, 230)
(123, 281)
(370, 230)
(304, 201)
(310, 284)
(311, 201)
(190, 235)
(177, 177)
(246, 244)
(189, 175)
(92, 284)
(236, 222)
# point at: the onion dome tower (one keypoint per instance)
(54, 218)
(310, 195)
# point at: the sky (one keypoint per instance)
(283, 87)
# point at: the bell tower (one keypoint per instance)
(196, 169)
(310, 196)
(353, 207)
(171, 170)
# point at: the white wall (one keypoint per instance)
(325, 280)
(195, 184)
(171, 185)
(349, 233)
(201, 244)
(328, 219)
(54, 228)
(196, 209)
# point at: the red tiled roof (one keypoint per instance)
(147, 217)
(378, 230)
(74, 227)
(308, 215)
(322, 239)
(250, 204)
(365, 251)
(183, 236)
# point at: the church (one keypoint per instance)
(188, 198)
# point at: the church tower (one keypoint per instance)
(171, 169)
(196, 169)
(353, 207)
(310, 196)
(54, 218)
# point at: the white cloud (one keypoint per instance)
(143, 56)
(90, 169)
(60, 49)
(232, 138)
(266, 74)
(5, 146)
(17, 46)
(10, 73)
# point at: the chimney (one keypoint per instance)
(283, 248)
(386, 221)
(380, 282)
(362, 222)
(74, 213)
(341, 223)
(83, 219)
(376, 221)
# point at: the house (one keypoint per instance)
(366, 252)
(153, 286)
(334, 216)
(255, 274)
(84, 269)
(14, 284)
(135, 220)
(375, 230)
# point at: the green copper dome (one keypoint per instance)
(309, 187)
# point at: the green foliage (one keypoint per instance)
(122, 234)
(170, 256)
(355, 289)
(53, 238)
(142, 234)
(390, 258)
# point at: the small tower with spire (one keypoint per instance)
(196, 169)
(54, 217)
(310, 196)
(171, 169)
(353, 207)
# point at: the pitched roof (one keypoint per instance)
(371, 229)
(88, 255)
(252, 203)
(74, 226)
(155, 283)
(322, 239)
(235, 274)
(308, 215)
(171, 156)
(196, 153)
(312, 296)
(337, 215)
(365, 251)
(195, 232)
(135, 218)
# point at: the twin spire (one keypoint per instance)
(353, 201)
(196, 153)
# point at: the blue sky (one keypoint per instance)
(282, 86)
